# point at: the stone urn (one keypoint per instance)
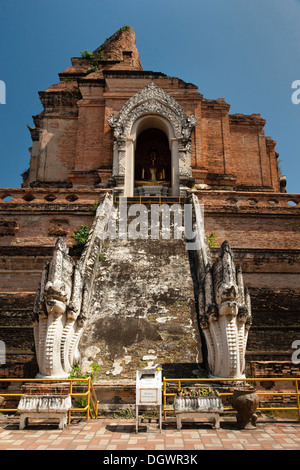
(245, 401)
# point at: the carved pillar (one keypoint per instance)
(129, 168)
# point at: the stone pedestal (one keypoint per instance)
(152, 190)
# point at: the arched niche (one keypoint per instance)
(163, 140)
(151, 108)
(152, 160)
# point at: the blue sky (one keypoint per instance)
(244, 51)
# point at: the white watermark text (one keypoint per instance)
(296, 94)
(2, 92)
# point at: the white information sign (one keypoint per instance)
(148, 390)
(148, 396)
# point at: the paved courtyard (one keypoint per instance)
(109, 434)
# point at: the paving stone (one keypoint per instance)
(121, 435)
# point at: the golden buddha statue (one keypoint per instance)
(153, 175)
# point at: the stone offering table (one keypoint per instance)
(48, 407)
(198, 407)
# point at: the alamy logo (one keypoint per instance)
(2, 352)
(296, 354)
(2, 92)
(296, 94)
(164, 221)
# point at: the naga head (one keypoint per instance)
(228, 308)
(56, 297)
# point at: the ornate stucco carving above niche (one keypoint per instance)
(152, 101)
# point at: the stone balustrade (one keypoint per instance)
(244, 200)
(231, 199)
(49, 196)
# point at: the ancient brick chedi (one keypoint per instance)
(108, 130)
(74, 146)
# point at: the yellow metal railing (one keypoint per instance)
(150, 199)
(294, 383)
(91, 408)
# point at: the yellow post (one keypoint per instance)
(88, 399)
(298, 401)
(71, 391)
(165, 398)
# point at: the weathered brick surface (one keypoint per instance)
(16, 331)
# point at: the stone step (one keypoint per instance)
(143, 309)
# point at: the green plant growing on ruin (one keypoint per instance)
(76, 372)
(123, 28)
(87, 55)
(81, 402)
(279, 162)
(195, 392)
(95, 206)
(94, 369)
(80, 236)
(211, 240)
(93, 68)
(127, 413)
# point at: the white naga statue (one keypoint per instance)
(225, 315)
(59, 314)
(62, 300)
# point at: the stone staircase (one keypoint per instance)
(142, 310)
